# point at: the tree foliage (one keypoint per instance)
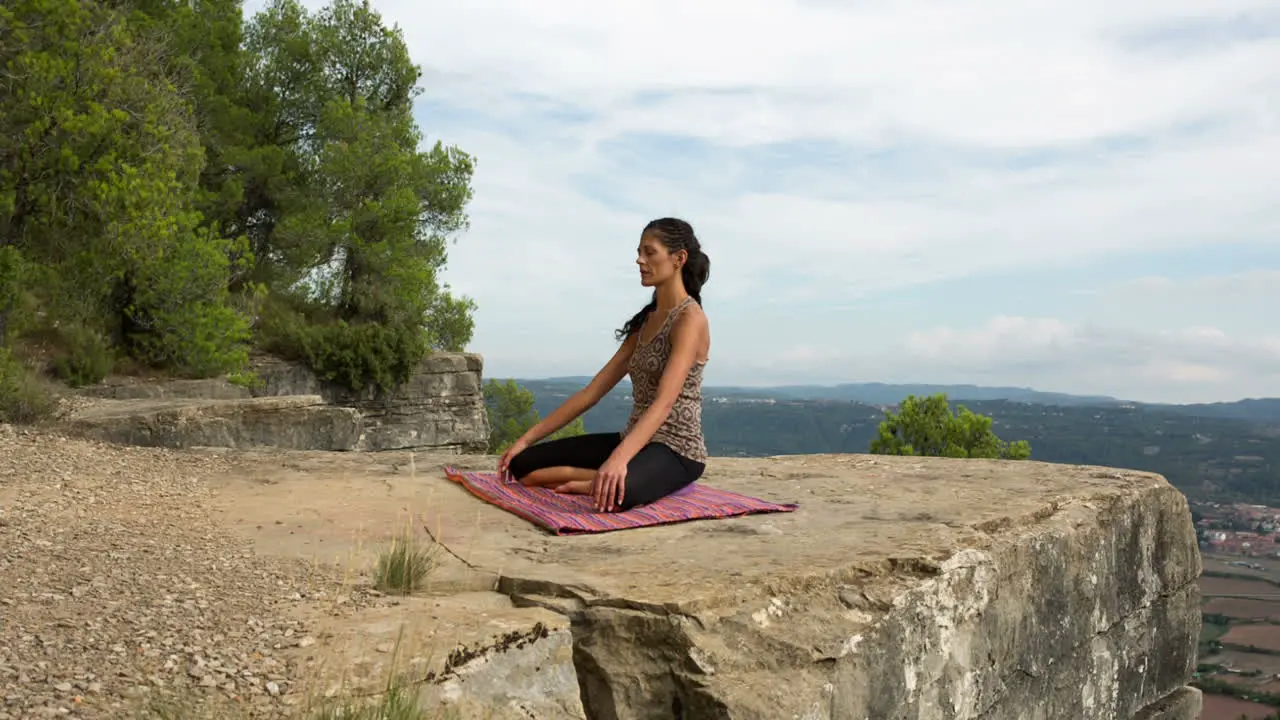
(927, 426)
(100, 161)
(354, 231)
(511, 413)
(177, 185)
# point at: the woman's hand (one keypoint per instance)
(609, 486)
(504, 463)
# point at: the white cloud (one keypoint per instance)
(984, 76)
(1152, 338)
(1188, 365)
(1118, 342)
(1037, 133)
(1246, 303)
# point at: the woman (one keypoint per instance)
(664, 348)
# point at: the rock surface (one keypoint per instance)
(302, 422)
(1184, 704)
(903, 588)
(123, 588)
(480, 656)
(119, 388)
(441, 407)
(116, 583)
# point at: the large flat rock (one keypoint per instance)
(301, 422)
(902, 588)
(471, 654)
(128, 388)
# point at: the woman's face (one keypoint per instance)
(657, 263)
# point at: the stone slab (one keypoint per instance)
(118, 388)
(471, 655)
(903, 587)
(291, 422)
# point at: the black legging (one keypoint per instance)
(655, 472)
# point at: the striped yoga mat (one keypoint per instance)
(565, 514)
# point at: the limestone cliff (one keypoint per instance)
(902, 588)
(916, 588)
(440, 409)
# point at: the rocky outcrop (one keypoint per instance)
(480, 657)
(440, 408)
(902, 588)
(124, 388)
(291, 423)
(1182, 704)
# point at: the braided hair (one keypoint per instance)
(676, 235)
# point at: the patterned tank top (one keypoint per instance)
(682, 429)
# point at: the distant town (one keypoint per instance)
(1237, 529)
(1239, 665)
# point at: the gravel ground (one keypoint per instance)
(116, 586)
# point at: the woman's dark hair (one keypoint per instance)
(676, 235)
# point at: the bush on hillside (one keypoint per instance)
(84, 357)
(23, 398)
(511, 414)
(356, 355)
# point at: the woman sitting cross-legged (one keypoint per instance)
(664, 348)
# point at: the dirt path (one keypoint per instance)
(116, 583)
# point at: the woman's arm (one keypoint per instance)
(687, 333)
(586, 398)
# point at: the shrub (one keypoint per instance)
(246, 379)
(356, 355)
(85, 357)
(180, 314)
(23, 398)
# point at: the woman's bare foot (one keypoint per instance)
(576, 487)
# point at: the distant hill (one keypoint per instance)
(1221, 451)
(869, 393)
(1265, 410)
(887, 394)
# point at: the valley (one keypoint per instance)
(1227, 452)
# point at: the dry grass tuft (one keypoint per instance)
(404, 567)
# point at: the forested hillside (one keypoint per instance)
(180, 185)
(1205, 456)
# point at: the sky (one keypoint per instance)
(1072, 195)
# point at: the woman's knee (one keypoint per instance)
(521, 465)
(655, 473)
(582, 451)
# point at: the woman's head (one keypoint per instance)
(669, 248)
(669, 252)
